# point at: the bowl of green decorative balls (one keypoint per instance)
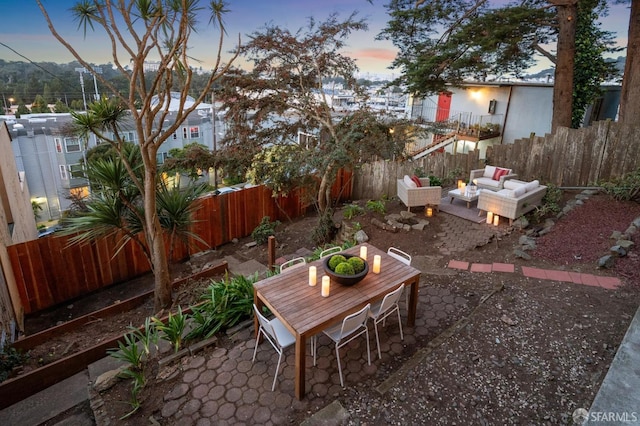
(346, 269)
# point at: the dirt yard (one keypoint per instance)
(519, 350)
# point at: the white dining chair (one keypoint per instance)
(404, 258)
(277, 334)
(381, 310)
(293, 263)
(352, 326)
(329, 251)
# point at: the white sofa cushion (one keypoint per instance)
(487, 182)
(489, 171)
(409, 182)
(510, 184)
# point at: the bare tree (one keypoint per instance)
(140, 31)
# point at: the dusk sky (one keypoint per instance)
(24, 29)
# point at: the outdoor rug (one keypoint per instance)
(459, 208)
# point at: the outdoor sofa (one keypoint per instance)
(491, 177)
(413, 196)
(516, 199)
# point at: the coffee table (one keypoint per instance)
(464, 196)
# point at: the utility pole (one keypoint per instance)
(215, 147)
(81, 71)
(96, 70)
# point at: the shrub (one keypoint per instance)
(626, 188)
(434, 181)
(263, 231)
(550, 204)
(352, 210)
(10, 357)
(376, 206)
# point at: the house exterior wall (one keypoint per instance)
(530, 111)
(17, 225)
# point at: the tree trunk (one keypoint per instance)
(162, 297)
(324, 192)
(566, 48)
(630, 95)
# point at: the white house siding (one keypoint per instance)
(530, 111)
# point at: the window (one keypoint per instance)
(72, 144)
(63, 173)
(161, 157)
(194, 132)
(58, 143)
(128, 137)
(76, 171)
(184, 133)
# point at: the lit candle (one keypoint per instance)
(363, 252)
(489, 218)
(429, 212)
(496, 220)
(376, 263)
(460, 184)
(312, 276)
(463, 187)
(326, 283)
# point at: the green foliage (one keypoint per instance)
(190, 160)
(550, 204)
(128, 351)
(451, 177)
(344, 268)
(335, 260)
(173, 329)
(434, 181)
(225, 304)
(37, 208)
(357, 264)
(352, 210)
(10, 358)
(590, 66)
(264, 230)
(147, 337)
(625, 188)
(39, 105)
(325, 230)
(376, 206)
(137, 384)
(419, 171)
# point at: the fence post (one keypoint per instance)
(271, 253)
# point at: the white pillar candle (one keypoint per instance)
(363, 252)
(312, 276)
(489, 218)
(326, 284)
(496, 220)
(463, 187)
(429, 211)
(376, 263)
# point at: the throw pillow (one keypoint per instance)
(410, 183)
(489, 171)
(499, 173)
(530, 186)
(417, 181)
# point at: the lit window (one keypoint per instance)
(195, 132)
(72, 144)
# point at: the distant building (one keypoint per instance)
(52, 162)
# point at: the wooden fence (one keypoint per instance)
(49, 272)
(568, 158)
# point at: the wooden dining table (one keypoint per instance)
(305, 312)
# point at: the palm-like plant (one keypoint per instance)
(115, 207)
